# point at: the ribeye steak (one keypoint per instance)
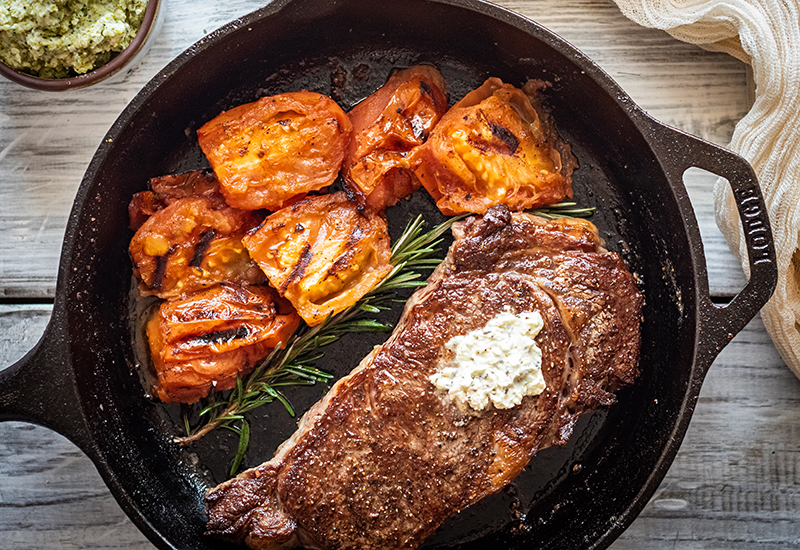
(384, 458)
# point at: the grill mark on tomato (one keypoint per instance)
(202, 247)
(509, 141)
(506, 136)
(299, 268)
(160, 271)
(256, 228)
(343, 262)
(354, 196)
(426, 89)
(219, 337)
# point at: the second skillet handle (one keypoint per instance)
(679, 151)
(40, 388)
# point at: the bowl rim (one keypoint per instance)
(96, 75)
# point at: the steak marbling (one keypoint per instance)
(384, 458)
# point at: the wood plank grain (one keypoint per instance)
(51, 496)
(47, 140)
(734, 484)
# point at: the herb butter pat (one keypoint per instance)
(498, 364)
(59, 38)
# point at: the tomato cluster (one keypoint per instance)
(244, 251)
(388, 126)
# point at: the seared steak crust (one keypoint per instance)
(384, 458)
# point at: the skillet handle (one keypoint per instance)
(679, 151)
(40, 388)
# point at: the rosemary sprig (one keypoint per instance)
(293, 364)
(563, 210)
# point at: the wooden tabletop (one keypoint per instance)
(735, 483)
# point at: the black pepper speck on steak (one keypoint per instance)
(384, 458)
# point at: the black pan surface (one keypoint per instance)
(579, 496)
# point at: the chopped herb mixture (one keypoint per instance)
(62, 38)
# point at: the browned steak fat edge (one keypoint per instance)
(384, 459)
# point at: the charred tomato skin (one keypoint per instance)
(192, 244)
(164, 190)
(268, 151)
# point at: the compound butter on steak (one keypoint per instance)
(386, 456)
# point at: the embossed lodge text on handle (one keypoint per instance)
(678, 151)
(751, 208)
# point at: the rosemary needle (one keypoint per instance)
(563, 210)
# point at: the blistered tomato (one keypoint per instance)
(322, 254)
(208, 339)
(164, 190)
(387, 126)
(267, 152)
(192, 244)
(494, 147)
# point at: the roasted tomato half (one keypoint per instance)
(322, 254)
(387, 126)
(164, 190)
(192, 244)
(267, 152)
(495, 146)
(211, 337)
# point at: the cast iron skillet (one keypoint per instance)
(80, 380)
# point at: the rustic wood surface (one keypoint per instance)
(735, 483)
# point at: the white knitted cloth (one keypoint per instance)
(766, 34)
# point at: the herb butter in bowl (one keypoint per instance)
(57, 45)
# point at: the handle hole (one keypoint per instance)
(21, 326)
(725, 274)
